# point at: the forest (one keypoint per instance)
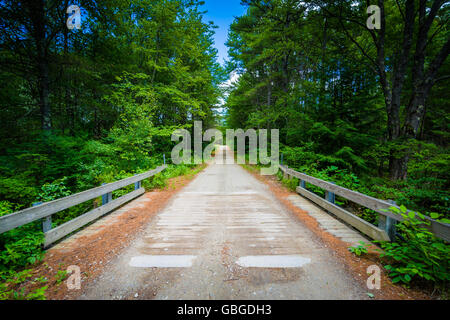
(90, 106)
(365, 108)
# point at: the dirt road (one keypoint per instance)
(225, 236)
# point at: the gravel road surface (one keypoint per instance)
(225, 236)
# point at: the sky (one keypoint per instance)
(222, 13)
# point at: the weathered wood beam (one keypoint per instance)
(440, 230)
(61, 231)
(355, 221)
(28, 215)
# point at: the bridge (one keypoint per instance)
(226, 235)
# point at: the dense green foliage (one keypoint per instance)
(117, 89)
(417, 253)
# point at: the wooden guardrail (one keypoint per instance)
(387, 220)
(47, 209)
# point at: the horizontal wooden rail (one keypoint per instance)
(441, 230)
(355, 221)
(61, 231)
(44, 210)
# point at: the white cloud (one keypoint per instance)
(234, 77)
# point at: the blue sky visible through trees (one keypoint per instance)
(222, 13)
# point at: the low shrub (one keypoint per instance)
(418, 253)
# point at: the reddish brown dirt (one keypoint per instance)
(357, 266)
(93, 252)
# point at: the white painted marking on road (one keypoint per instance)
(222, 193)
(148, 261)
(293, 261)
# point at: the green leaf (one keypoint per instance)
(397, 279)
(393, 209)
(434, 215)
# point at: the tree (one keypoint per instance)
(416, 54)
(28, 29)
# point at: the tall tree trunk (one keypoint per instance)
(398, 164)
(422, 79)
(44, 103)
(69, 107)
(322, 64)
(36, 10)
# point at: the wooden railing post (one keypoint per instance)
(387, 223)
(46, 222)
(303, 184)
(137, 185)
(106, 197)
(285, 175)
(330, 196)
